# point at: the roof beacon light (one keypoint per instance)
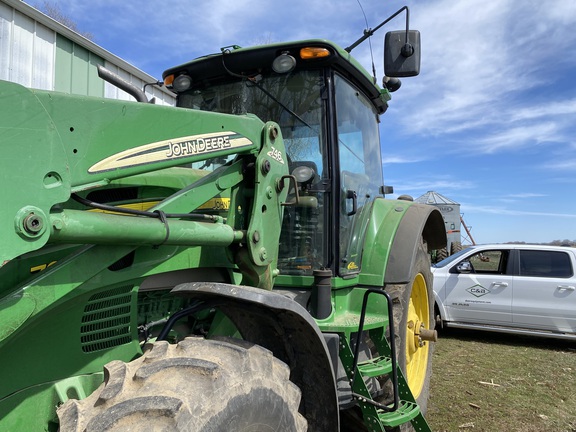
(310, 53)
(182, 83)
(284, 63)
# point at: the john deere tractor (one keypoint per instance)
(228, 264)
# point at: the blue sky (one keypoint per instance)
(489, 122)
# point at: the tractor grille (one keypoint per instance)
(106, 320)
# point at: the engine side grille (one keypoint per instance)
(106, 320)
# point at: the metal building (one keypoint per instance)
(39, 52)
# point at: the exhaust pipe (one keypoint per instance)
(122, 84)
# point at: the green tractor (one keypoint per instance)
(193, 268)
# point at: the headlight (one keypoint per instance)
(182, 83)
(284, 63)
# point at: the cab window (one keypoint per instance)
(360, 169)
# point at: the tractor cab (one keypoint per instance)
(328, 110)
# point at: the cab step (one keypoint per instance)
(375, 367)
(406, 412)
(378, 416)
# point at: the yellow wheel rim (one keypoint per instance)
(417, 350)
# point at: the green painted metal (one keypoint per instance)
(50, 162)
(344, 56)
(54, 145)
(76, 226)
(384, 221)
(41, 400)
(346, 310)
(80, 287)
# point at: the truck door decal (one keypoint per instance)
(478, 290)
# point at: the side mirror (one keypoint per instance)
(464, 267)
(402, 53)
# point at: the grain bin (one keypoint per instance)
(451, 213)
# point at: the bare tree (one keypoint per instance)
(54, 12)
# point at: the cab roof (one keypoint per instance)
(235, 62)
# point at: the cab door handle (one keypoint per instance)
(500, 284)
(566, 288)
(351, 194)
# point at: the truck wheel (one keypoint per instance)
(413, 307)
(197, 385)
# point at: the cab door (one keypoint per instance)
(545, 291)
(479, 289)
(360, 170)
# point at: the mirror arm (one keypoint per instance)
(370, 32)
(280, 187)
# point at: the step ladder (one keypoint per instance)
(377, 416)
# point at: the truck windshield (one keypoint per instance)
(294, 102)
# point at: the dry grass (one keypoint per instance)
(493, 382)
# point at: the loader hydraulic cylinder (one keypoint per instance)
(74, 226)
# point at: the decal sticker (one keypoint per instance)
(352, 266)
(41, 267)
(176, 148)
(276, 155)
(216, 204)
(478, 290)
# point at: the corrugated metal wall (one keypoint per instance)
(26, 50)
(35, 55)
(75, 69)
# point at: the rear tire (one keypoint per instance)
(196, 386)
(413, 306)
(455, 247)
(441, 254)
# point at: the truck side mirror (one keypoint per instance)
(402, 53)
(464, 267)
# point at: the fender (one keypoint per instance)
(419, 221)
(396, 227)
(284, 327)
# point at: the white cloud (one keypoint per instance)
(503, 211)
(390, 160)
(517, 137)
(527, 195)
(481, 61)
(548, 109)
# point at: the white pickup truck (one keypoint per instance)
(510, 288)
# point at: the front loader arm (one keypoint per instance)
(54, 145)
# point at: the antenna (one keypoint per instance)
(369, 43)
